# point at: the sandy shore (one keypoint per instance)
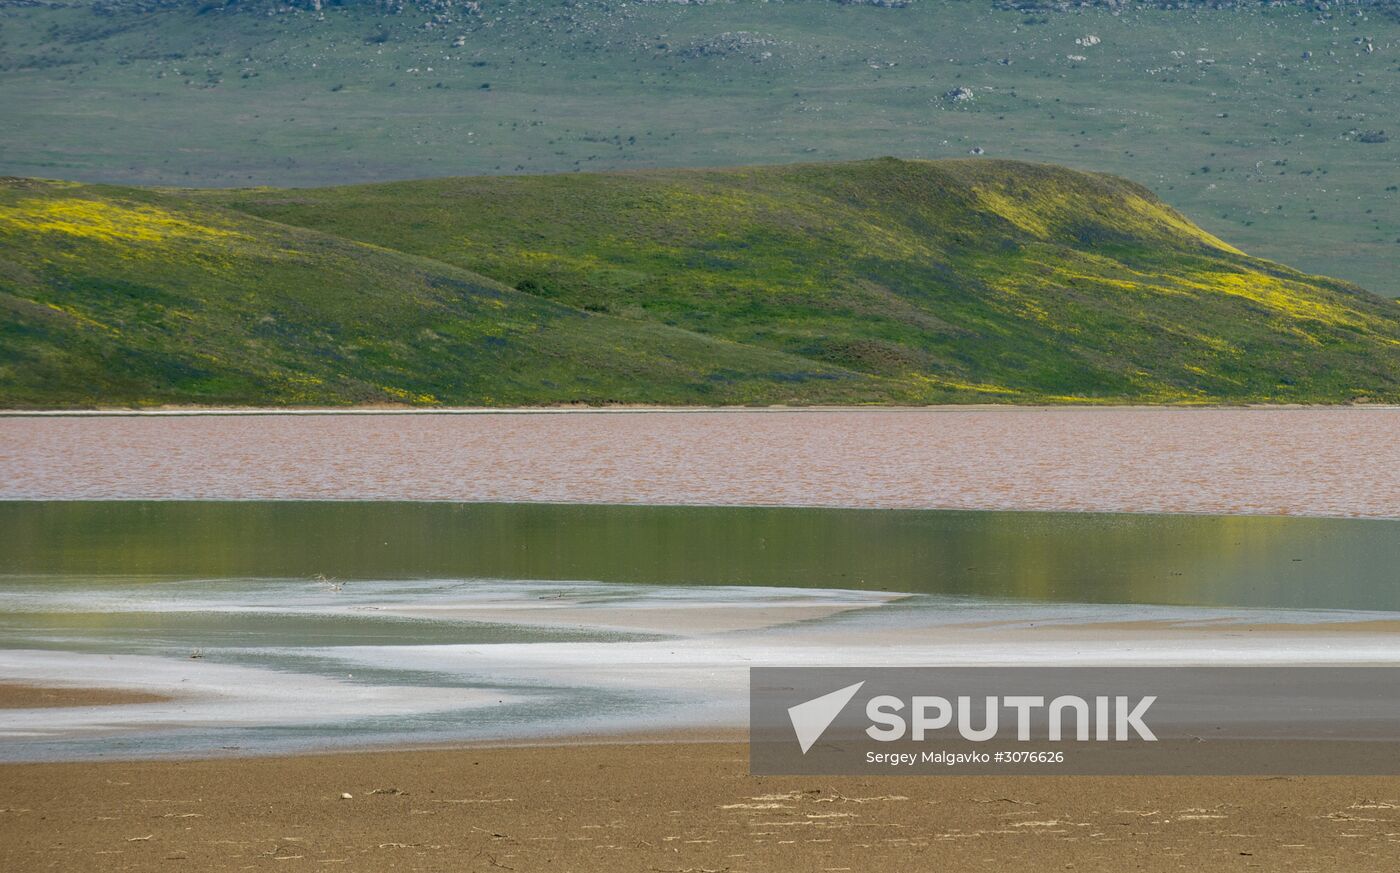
(667, 807)
(22, 696)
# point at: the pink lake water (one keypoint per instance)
(1329, 461)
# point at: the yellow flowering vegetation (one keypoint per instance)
(106, 221)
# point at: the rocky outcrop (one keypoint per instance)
(755, 46)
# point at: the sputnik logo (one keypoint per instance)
(811, 719)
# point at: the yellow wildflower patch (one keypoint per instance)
(959, 385)
(408, 396)
(1278, 295)
(555, 260)
(104, 221)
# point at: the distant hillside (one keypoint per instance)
(876, 281)
(1269, 124)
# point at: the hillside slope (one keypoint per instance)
(872, 282)
(954, 279)
(113, 296)
(1267, 123)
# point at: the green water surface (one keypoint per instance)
(1064, 557)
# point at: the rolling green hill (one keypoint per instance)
(117, 296)
(876, 281)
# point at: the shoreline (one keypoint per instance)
(599, 504)
(685, 806)
(622, 408)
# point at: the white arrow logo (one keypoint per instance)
(811, 719)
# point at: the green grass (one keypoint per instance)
(880, 281)
(114, 296)
(1216, 110)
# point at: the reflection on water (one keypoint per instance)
(1269, 562)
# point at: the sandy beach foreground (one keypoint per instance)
(667, 807)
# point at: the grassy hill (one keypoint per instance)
(876, 281)
(118, 296)
(1271, 127)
